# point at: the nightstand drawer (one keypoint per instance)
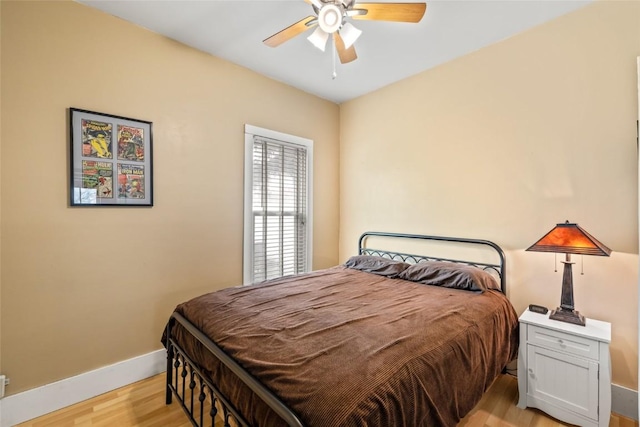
(563, 342)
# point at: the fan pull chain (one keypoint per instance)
(555, 262)
(334, 75)
(582, 266)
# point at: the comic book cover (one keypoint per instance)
(130, 181)
(98, 176)
(96, 139)
(130, 143)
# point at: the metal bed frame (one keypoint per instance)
(198, 395)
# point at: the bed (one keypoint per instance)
(386, 339)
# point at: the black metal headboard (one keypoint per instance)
(499, 269)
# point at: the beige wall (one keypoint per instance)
(86, 287)
(0, 193)
(526, 133)
(504, 143)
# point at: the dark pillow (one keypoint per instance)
(376, 265)
(450, 275)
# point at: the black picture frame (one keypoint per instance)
(111, 160)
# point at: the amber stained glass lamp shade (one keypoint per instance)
(569, 239)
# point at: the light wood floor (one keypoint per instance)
(142, 404)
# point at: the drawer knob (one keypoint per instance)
(560, 342)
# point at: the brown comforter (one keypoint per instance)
(346, 348)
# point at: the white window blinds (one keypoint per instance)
(279, 209)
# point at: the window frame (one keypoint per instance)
(250, 132)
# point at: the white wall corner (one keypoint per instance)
(624, 401)
(39, 401)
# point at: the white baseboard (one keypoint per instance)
(33, 403)
(624, 401)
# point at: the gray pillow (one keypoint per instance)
(450, 275)
(376, 265)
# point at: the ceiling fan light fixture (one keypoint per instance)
(319, 38)
(349, 34)
(333, 18)
(330, 18)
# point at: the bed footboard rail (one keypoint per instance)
(192, 377)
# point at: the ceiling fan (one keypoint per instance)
(331, 19)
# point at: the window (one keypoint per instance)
(277, 207)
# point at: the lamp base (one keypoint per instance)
(569, 316)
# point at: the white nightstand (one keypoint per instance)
(565, 369)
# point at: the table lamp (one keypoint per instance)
(569, 239)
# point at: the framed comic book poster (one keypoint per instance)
(111, 160)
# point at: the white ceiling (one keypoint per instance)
(387, 51)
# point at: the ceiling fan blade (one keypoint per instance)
(316, 3)
(345, 55)
(398, 12)
(289, 32)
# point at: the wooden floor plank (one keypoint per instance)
(142, 405)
